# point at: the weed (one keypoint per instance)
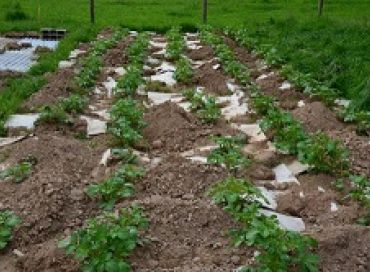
(53, 115)
(8, 221)
(106, 241)
(17, 173)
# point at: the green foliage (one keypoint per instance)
(204, 106)
(176, 43)
(280, 250)
(324, 154)
(53, 115)
(263, 104)
(361, 118)
(15, 12)
(231, 65)
(104, 244)
(184, 71)
(360, 189)
(74, 103)
(89, 72)
(234, 194)
(288, 133)
(126, 122)
(117, 187)
(228, 153)
(17, 173)
(128, 84)
(125, 156)
(138, 50)
(8, 221)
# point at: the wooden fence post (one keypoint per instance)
(92, 11)
(320, 7)
(205, 11)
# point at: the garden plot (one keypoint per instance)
(202, 150)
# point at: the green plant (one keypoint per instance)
(74, 103)
(288, 133)
(263, 104)
(324, 154)
(235, 194)
(228, 153)
(8, 221)
(128, 84)
(18, 172)
(204, 106)
(125, 156)
(106, 241)
(361, 118)
(280, 250)
(115, 188)
(89, 71)
(129, 110)
(53, 114)
(124, 133)
(137, 50)
(360, 189)
(176, 44)
(184, 71)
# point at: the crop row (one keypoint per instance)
(355, 112)
(54, 114)
(106, 241)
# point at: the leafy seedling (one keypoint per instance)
(8, 221)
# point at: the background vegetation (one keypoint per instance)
(333, 49)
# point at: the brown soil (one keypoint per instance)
(340, 240)
(51, 202)
(205, 53)
(58, 86)
(359, 150)
(172, 129)
(214, 81)
(188, 232)
(316, 117)
(116, 56)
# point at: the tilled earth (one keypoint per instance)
(187, 231)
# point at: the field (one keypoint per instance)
(150, 142)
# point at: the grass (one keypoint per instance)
(334, 48)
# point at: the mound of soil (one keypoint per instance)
(58, 86)
(172, 129)
(51, 202)
(204, 53)
(344, 248)
(316, 116)
(359, 150)
(178, 177)
(214, 81)
(116, 56)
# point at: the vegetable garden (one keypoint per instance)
(185, 148)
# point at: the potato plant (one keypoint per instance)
(118, 186)
(229, 154)
(204, 106)
(184, 72)
(74, 103)
(106, 241)
(176, 43)
(324, 154)
(8, 221)
(54, 114)
(280, 250)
